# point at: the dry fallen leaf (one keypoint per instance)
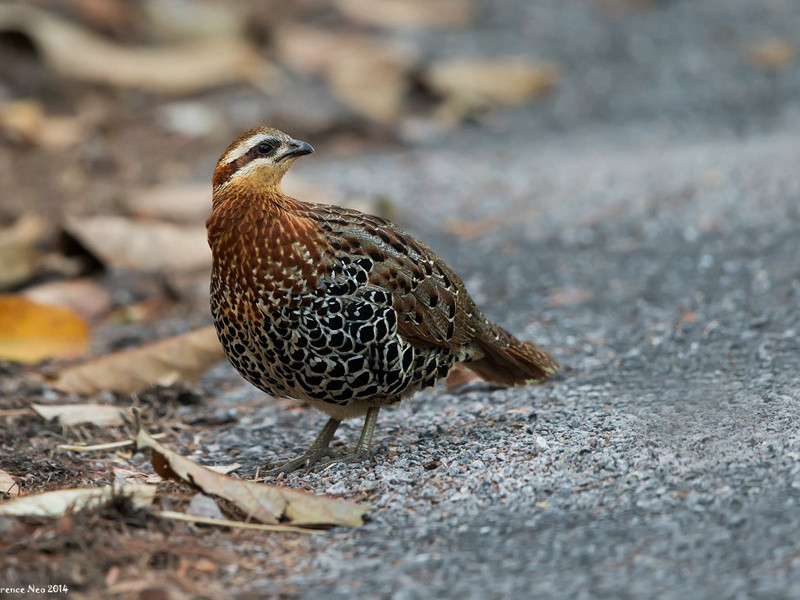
(689, 316)
(172, 201)
(188, 67)
(80, 447)
(31, 332)
(8, 486)
(408, 14)
(366, 74)
(87, 298)
(371, 79)
(77, 414)
(147, 245)
(471, 85)
(178, 516)
(771, 55)
(460, 376)
(305, 49)
(570, 295)
(25, 122)
(22, 121)
(116, 16)
(19, 258)
(200, 20)
(60, 502)
(474, 228)
(127, 477)
(225, 469)
(266, 503)
(182, 357)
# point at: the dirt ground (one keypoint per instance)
(641, 220)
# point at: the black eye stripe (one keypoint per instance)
(265, 148)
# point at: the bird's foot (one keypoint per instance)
(305, 461)
(357, 456)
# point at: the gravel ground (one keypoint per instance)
(643, 224)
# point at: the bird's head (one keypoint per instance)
(258, 159)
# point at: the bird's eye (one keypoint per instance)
(266, 148)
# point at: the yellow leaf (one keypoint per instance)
(30, 332)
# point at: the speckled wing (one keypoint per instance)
(433, 307)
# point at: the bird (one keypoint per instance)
(335, 307)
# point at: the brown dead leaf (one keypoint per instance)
(19, 258)
(172, 20)
(188, 202)
(771, 55)
(266, 503)
(60, 502)
(123, 243)
(84, 296)
(570, 295)
(372, 80)
(225, 469)
(467, 86)
(31, 332)
(8, 486)
(25, 122)
(127, 477)
(73, 51)
(689, 316)
(116, 16)
(473, 229)
(178, 516)
(305, 49)
(460, 376)
(78, 414)
(183, 357)
(408, 14)
(22, 121)
(366, 74)
(81, 447)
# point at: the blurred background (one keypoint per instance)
(113, 113)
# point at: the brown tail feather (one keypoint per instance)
(509, 361)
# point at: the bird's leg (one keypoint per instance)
(361, 453)
(317, 449)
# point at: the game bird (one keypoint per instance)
(338, 308)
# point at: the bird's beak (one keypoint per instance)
(297, 148)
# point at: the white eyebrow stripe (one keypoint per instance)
(244, 147)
